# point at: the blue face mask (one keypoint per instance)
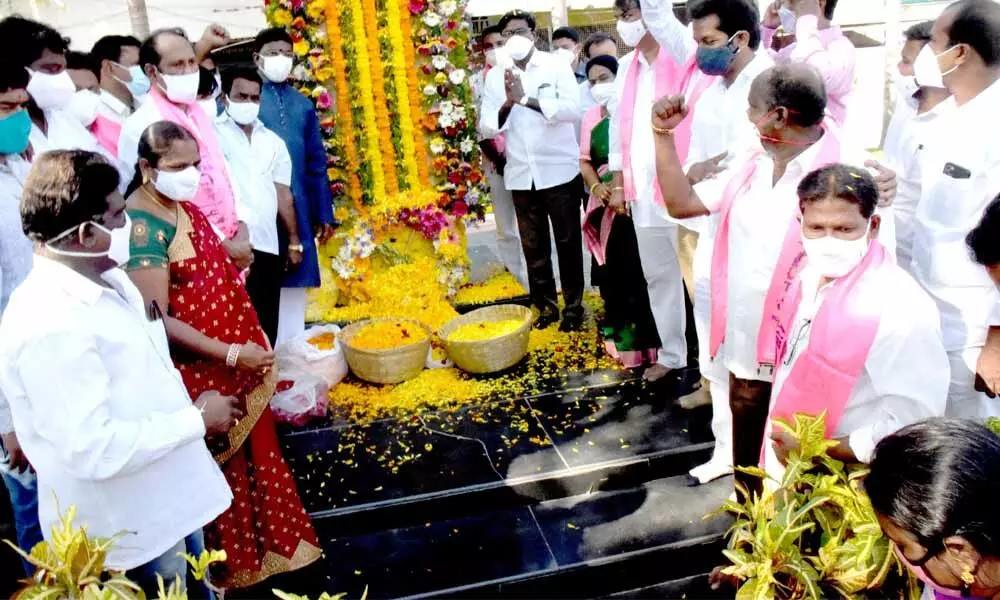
(14, 131)
(139, 86)
(715, 61)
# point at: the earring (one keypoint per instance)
(967, 577)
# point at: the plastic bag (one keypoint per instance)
(299, 398)
(298, 356)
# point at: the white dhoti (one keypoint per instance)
(713, 371)
(508, 237)
(964, 402)
(291, 314)
(660, 266)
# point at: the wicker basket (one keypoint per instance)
(493, 355)
(386, 366)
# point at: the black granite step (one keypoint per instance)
(588, 545)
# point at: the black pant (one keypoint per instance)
(264, 287)
(750, 402)
(561, 205)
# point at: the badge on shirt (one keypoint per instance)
(956, 172)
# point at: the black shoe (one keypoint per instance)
(571, 323)
(546, 319)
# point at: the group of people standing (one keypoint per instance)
(822, 280)
(158, 230)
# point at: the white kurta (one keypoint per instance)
(758, 224)
(961, 175)
(905, 378)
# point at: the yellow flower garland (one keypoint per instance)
(410, 54)
(372, 154)
(398, 66)
(345, 123)
(379, 101)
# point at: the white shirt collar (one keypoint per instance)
(116, 105)
(68, 280)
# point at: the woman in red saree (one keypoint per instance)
(182, 268)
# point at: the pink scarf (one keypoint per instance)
(670, 79)
(842, 334)
(829, 153)
(215, 196)
(107, 131)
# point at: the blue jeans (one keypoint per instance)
(169, 566)
(24, 501)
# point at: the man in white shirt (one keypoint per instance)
(918, 107)
(99, 409)
(123, 83)
(850, 307)
(42, 50)
(265, 176)
(728, 37)
(757, 202)
(508, 238)
(15, 263)
(535, 105)
(598, 44)
(961, 175)
(632, 159)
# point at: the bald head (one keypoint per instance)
(168, 51)
(796, 87)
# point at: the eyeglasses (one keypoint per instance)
(524, 31)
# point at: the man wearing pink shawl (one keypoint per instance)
(169, 60)
(856, 337)
(817, 43)
(758, 232)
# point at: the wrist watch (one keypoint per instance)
(523, 101)
(295, 248)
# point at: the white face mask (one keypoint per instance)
(181, 89)
(51, 91)
(118, 248)
(243, 113)
(519, 47)
(907, 86)
(788, 19)
(833, 257)
(276, 68)
(491, 57)
(180, 186)
(84, 105)
(631, 32)
(603, 93)
(567, 55)
(927, 69)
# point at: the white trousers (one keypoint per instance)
(508, 237)
(964, 402)
(658, 257)
(714, 372)
(291, 314)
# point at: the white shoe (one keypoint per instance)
(710, 471)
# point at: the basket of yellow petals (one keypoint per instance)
(386, 350)
(489, 339)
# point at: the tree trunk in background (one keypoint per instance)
(139, 18)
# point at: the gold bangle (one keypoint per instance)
(617, 189)
(662, 130)
(593, 187)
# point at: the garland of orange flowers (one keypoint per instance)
(410, 53)
(407, 132)
(372, 153)
(382, 120)
(345, 123)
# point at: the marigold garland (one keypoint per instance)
(410, 53)
(371, 151)
(345, 122)
(398, 65)
(377, 96)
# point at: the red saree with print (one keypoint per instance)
(266, 531)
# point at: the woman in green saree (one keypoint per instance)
(627, 327)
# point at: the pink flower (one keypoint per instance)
(324, 101)
(417, 6)
(460, 208)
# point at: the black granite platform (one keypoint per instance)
(574, 491)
